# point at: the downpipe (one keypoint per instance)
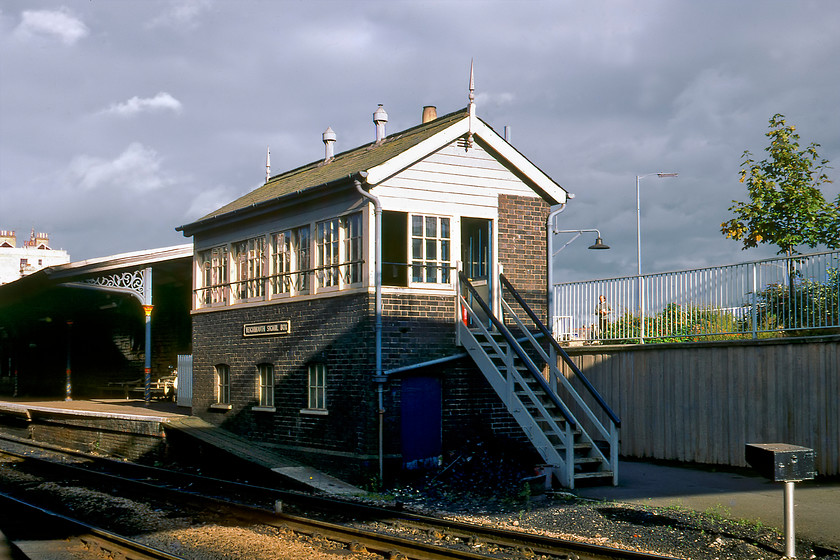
(378, 377)
(549, 231)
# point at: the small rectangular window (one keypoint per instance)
(317, 387)
(266, 381)
(222, 384)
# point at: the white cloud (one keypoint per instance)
(137, 169)
(181, 14)
(209, 200)
(487, 99)
(160, 102)
(56, 23)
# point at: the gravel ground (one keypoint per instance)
(485, 486)
(487, 489)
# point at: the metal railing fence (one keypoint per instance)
(798, 295)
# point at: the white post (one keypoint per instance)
(639, 263)
(790, 540)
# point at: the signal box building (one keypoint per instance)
(328, 316)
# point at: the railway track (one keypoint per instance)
(35, 533)
(390, 532)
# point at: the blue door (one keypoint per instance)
(421, 422)
(476, 253)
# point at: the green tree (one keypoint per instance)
(786, 207)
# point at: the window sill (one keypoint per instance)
(263, 409)
(221, 406)
(314, 411)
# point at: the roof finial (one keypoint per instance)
(472, 83)
(267, 163)
(471, 107)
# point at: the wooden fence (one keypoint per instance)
(702, 402)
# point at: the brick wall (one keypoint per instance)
(339, 332)
(335, 331)
(135, 440)
(522, 239)
(416, 328)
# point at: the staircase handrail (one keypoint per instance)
(562, 353)
(518, 350)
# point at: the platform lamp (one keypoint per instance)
(598, 245)
(640, 295)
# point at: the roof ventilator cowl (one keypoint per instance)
(329, 140)
(380, 117)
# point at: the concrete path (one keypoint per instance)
(738, 495)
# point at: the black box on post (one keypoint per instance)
(781, 462)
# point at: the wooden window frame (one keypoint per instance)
(316, 386)
(265, 385)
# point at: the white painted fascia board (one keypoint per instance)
(520, 162)
(379, 173)
(122, 260)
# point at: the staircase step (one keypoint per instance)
(584, 460)
(593, 474)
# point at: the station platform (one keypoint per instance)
(134, 428)
(737, 494)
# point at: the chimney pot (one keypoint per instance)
(380, 117)
(429, 113)
(329, 139)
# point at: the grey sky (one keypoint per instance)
(121, 120)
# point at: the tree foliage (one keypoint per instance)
(786, 207)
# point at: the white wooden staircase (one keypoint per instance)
(575, 432)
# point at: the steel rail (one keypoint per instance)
(95, 538)
(362, 513)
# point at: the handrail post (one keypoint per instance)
(754, 310)
(570, 458)
(614, 451)
(459, 313)
(641, 310)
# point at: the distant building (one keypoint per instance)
(35, 254)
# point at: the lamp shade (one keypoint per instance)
(599, 244)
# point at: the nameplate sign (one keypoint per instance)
(273, 328)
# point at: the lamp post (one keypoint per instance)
(639, 250)
(598, 245)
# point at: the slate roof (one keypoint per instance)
(313, 180)
(342, 166)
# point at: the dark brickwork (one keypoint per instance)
(522, 239)
(419, 328)
(336, 331)
(134, 440)
(471, 408)
(416, 328)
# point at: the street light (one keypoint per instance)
(639, 248)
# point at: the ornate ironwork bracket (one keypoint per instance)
(137, 283)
